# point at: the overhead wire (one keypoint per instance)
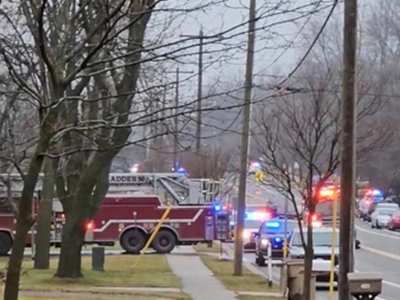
(321, 30)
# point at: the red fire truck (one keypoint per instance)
(324, 206)
(134, 206)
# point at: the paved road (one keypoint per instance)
(380, 253)
(259, 194)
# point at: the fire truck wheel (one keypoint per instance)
(133, 241)
(5, 243)
(164, 242)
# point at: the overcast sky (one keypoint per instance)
(280, 39)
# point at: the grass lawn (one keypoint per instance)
(203, 248)
(245, 297)
(223, 270)
(169, 296)
(151, 271)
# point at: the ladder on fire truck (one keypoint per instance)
(11, 185)
(171, 187)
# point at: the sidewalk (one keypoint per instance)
(197, 280)
(320, 295)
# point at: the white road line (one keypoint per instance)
(392, 284)
(384, 281)
(392, 232)
(378, 233)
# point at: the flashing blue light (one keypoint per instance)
(273, 224)
(376, 193)
(181, 171)
(217, 207)
(278, 239)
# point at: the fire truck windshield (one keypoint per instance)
(325, 208)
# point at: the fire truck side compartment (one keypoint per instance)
(209, 228)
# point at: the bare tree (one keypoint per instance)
(304, 128)
(211, 162)
(82, 62)
(77, 63)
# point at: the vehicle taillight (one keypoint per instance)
(315, 220)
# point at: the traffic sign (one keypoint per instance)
(259, 176)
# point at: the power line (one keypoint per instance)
(321, 30)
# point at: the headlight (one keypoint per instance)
(316, 224)
(246, 234)
(264, 242)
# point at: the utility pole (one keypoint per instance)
(241, 207)
(176, 112)
(348, 149)
(176, 119)
(200, 37)
(199, 93)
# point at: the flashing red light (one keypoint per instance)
(89, 226)
(315, 220)
(227, 207)
(326, 192)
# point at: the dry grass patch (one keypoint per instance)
(223, 270)
(151, 271)
(152, 296)
(246, 297)
(203, 248)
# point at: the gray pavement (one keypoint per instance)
(259, 193)
(380, 250)
(380, 253)
(197, 280)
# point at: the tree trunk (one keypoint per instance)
(16, 258)
(24, 222)
(69, 265)
(308, 261)
(42, 254)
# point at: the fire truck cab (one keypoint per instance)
(135, 204)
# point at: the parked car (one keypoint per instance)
(382, 216)
(322, 242)
(363, 207)
(394, 222)
(383, 204)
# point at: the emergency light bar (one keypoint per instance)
(257, 216)
(376, 193)
(326, 193)
(273, 224)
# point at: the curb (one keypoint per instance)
(255, 270)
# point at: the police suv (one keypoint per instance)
(272, 234)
